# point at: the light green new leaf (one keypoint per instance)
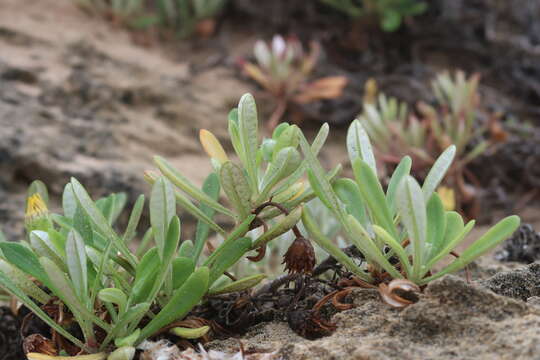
(189, 333)
(436, 225)
(236, 187)
(76, 264)
(359, 146)
(411, 208)
(145, 276)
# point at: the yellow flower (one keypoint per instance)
(37, 213)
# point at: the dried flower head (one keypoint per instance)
(39, 344)
(300, 257)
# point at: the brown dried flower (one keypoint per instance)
(39, 344)
(300, 257)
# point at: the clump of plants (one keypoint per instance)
(456, 118)
(184, 17)
(403, 232)
(389, 13)
(284, 69)
(82, 278)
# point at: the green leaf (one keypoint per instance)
(145, 274)
(24, 259)
(287, 138)
(396, 247)
(69, 202)
(411, 208)
(186, 249)
(83, 225)
(326, 244)
(115, 296)
(285, 163)
(7, 284)
(236, 187)
(186, 186)
(99, 220)
(182, 301)
(43, 246)
(240, 230)
(437, 172)
(162, 210)
(502, 230)
(359, 146)
(23, 282)
(182, 268)
(348, 192)
(134, 219)
(283, 225)
(436, 225)
(76, 264)
(248, 131)
(401, 171)
(373, 196)
(187, 205)
(211, 187)
(239, 285)
(228, 256)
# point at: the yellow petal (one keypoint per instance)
(35, 206)
(212, 146)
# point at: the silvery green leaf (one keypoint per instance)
(248, 130)
(402, 170)
(239, 285)
(24, 259)
(162, 209)
(437, 172)
(186, 186)
(359, 145)
(284, 164)
(212, 188)
(43, 246)
(236, 187)
(23, 282)
(134, 219)
(99, 220)
(411, 207)
(76, 263)
(69, 202)
(287, 138)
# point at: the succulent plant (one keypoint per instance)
(455, 119)
(283, 68)
(402, 232)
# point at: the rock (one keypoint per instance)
(521, 283)
(451, 320)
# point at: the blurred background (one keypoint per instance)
(95, 88)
